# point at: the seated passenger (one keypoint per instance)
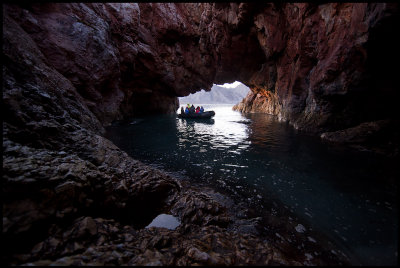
(186, 110)
(197, 110)
(192, 109)
(201, 109)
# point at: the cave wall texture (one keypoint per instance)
(322, 67)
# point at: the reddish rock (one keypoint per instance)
(317, 60)
(320, 61)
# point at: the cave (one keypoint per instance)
(72, 70)
(145, 75)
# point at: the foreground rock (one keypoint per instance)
(60, 209)
(104, 242)
(209, 234)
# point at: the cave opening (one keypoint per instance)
(227, 93)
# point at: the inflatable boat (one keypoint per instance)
(203, 115)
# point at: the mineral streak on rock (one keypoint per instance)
(70, 196)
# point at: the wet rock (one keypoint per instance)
(88, 226)
(300, 228)
(197, 255)
(378, 136)
(200, 208)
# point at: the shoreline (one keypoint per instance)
(91, 219)
(312, 247)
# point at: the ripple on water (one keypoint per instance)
(326, 189)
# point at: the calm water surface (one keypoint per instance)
(255, 158)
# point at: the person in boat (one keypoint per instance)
(197, 110)
(201, 109)
(187, 110)
(182, 111)
(192, 109)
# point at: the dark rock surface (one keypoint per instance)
(70, 196)
(328, 67)
(380, 136)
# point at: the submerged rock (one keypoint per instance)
(382, 137)
(300, 228)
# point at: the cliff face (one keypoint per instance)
(122, 59)
(70, 69)
(327, 66)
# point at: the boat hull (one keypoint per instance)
(204, 115)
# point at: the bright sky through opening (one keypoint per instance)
(232, 85)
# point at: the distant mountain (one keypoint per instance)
(217, 95)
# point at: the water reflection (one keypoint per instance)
(268, 135)
(165, 221)
(226, 131)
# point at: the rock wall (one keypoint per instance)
(322, 67)
(321, 63)
(328, 68)
(122, 59)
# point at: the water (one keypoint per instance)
(350, 197)
(165, 221)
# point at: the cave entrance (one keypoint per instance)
(228, 93)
